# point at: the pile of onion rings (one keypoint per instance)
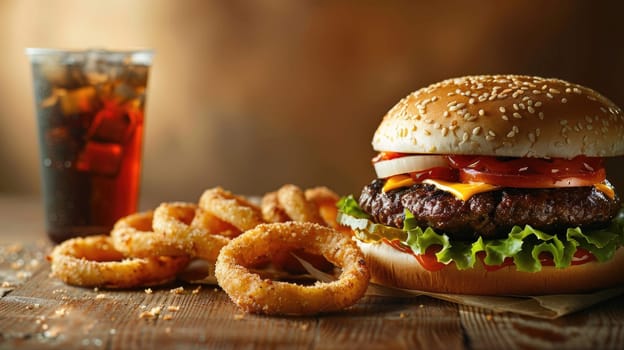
(154, 247)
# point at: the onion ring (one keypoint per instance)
(174, 221)
(292, 199)
(254, 294)
(133, 236)
(325, 199)
(230, 208)
(271, 209)
(213, 224)
(94, 262)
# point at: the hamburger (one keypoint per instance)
(494, 185)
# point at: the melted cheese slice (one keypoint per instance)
(606, 189)
(465, 191)
(460, 190)
(397, 181)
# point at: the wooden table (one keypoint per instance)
(39, 312)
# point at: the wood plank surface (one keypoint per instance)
(40, 312)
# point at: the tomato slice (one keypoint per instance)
(387, 155)
(428, 260)
(581, 256)
(530, 172)
(439, 173)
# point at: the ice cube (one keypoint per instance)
(124, 92)
(81, 100)
(100, 158)
(60, 146)
(69, 76)
(111, 124)
(136, 75)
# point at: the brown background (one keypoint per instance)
(253, 94)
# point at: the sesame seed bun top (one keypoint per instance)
(504, 115)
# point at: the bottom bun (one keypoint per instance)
(394, 268)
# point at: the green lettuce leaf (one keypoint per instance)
(523, 244)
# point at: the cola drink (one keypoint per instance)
(90, 116)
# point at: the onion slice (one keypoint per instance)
(408, 164)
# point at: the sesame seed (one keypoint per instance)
(511, 134)
(568, 90)
(491, 133)
(451, 103)
(481, 112)
(538, 104)
(502, 109)
(446, 113)
(471, 101)
(515, 106)
(531, 137)
(563, 122)
(577, 90)
(549, 95)
(465, 137)
(522, 106)
(517, 115)
(469, 117)
(536, 92)
(489, 137)
(554, 91)
(434, 98)
(564, 100)
(541, 115)
(445, 131)
(505, 117)
(531, 110)
(476, 130)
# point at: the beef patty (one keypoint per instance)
(490, 214)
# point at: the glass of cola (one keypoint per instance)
(90, 115)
